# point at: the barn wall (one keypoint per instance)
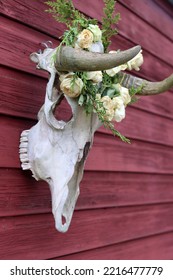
(125, 210)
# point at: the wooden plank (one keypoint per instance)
(158, 104)
(158, 247)
(10, 138)
(114, 189)
(138, 157)
(146, 126)
(22, 95)
(166, 6)
(20, 194)
(19, 41)
(108, 153)
(32, 13)
(22, 237)
(152, 13)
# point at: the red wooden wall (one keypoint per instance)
(125, 210)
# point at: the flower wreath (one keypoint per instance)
(97, 91)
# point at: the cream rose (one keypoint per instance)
(96, 32)
(135, 62)
(85, 39)
(119, 114)
(124, 93)
(108, 105)
(96, 47)
(69, 87)
(119, 109)
(64, 76)
(95, 76)
(112, 72)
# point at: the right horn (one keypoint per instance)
(145, 87)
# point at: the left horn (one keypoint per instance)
(70, 59)
(146, 87)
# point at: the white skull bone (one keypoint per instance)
(54, 150)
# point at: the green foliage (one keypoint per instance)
(64, 11)
(133, 91)
(109, 19)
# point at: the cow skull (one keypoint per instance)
(54, 150)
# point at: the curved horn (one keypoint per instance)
(146, 87)
(70, 59)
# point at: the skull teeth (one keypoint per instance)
(23, 151)
(24, 133)
(26, 166)
(24, 157)
(23, 139)
(23, 145)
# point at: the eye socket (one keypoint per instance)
(63, 111)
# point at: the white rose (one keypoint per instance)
(108, 105)
(124, 93)
(85, 39)
(119, 114)
(96, 47)
(112, 72)
(119, 108)
(117, 102)
(64, 76)
(71, 89)
(106, 100)
(95, 76)
(96, 32)
(110, 114)
(135, 62)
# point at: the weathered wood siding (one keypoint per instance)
(125, 210)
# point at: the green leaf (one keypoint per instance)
(108, 22)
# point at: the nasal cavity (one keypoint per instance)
(63, 220)
(63, 111)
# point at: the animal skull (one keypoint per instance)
(54, 150)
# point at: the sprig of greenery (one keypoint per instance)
(133, 91)
(64, 11)
(109, 19)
